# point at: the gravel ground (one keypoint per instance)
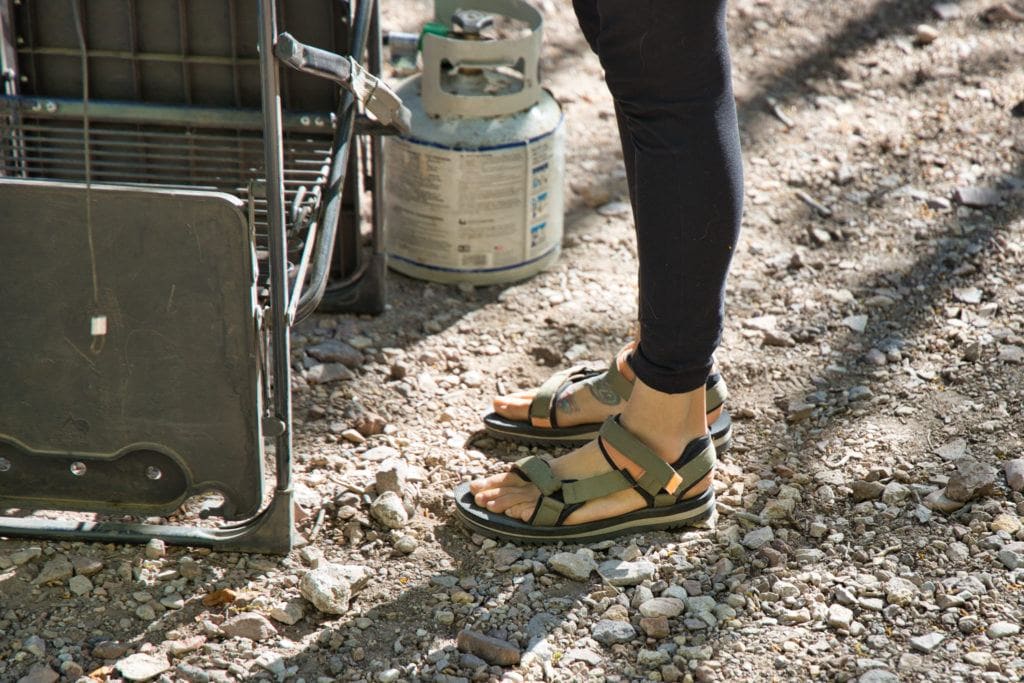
(869, 520)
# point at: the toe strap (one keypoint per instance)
(538, 472)
(542, 407)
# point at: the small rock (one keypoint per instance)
(895, 493)
(368, 423)
(491, 650)
(406, 544)
(977, 197)
(40, 673)
(155, 549)
(609, 632)
(662, 607)
(20, 557)
(973, 478)
(336, 351)
(655, 627)
(330, 587)
(839, 616)
(968, 295)
(1010, 353)
(79, 585)
(946, 11)
(35, 646)
(925, 34)
(927, 642)
(1005, 522)
(251, 625)
(1011, 559)
(614, 209)
(57, 570)
(389, 510)
(953, 450)
(1002, 629)
(899, 591)
(325, 373)
(620, 573)
(866, 490)
(86, 566)
(109, 649)
(756, 538)
(651, 659)
(577, 566)
(183, 646)
(857, 323)
(938, 501)
(859, 393)
(1014, 470)
(289, 613)
(142, 666)
(978, 658)
(878, 676)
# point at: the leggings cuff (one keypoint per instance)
(668, 380)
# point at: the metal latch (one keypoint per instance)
(372, 92)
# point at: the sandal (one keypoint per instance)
(542, 428)
(662, 485)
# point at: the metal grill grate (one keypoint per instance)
(137, 154)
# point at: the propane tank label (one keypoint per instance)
(473, 210)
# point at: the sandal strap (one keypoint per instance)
(657, 475)
(538, 472)
(617, 381)
(542, 407)
(598, 486)
(715, 392)
(548, 512)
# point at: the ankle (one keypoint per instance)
(665, 422)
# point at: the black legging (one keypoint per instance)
(666, 64)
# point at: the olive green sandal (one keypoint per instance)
(542, 428)
(662, 486)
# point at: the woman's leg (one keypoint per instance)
(667, 66)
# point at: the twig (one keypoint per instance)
(810, 201)
(773, 106)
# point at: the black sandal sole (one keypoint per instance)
(686, 513)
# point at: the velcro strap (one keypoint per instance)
(595, 487)
(547, 512)
(715, 392)
(657, 475)
(538, 472)
(617, 381)
(697, 468)
(543, 403)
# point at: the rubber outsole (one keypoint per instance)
(687, 513)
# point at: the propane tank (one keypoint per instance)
(474, 194)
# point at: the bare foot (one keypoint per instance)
(588, 402)
(665, 422)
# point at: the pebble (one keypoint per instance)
(1014, 470)
(1011, 559)
(756, 538)
(86, 566)
(35, 646)
(576, 566)
(155, 549)
(940, 502)
(895, 493)
(1011, 524)
(977, 197)
(289, 613)
(406, 544)
(946, 11)
(927, 642)
(614, 209)
(492, 650)
(142, 666)
(662, 607)
(325, 373)
(330, 587)
(56, 570)
(20, 557)
(866, 490)
(925, 34)
(973, 478)
(609, 632)
(900, 591)
(621, 573)
(40, 673)
(1002, 629)
(655, 627)
(109, 649)
(389, 510)
(336, 351)
(79, 585)
(251, 625)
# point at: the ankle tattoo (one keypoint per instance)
(600, 390)
(567, 405)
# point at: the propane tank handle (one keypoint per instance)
(471, 23)
(522, 52)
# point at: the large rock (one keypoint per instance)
(331, 586)
(973, 478)
(55, 571)
(1014, 470)
(577, 566)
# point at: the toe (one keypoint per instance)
(521, 511)
(514, 406)
(510, 498)
(495, 481)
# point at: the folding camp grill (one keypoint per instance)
(170, 204)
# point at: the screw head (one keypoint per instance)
(153, 473)
(78, 468)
